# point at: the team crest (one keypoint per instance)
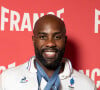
(71, 86)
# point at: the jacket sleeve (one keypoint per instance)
(1, 82)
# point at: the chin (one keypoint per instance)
(51, 64)
(50, 60)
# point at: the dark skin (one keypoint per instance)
(52, 39)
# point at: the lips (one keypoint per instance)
(50, 54)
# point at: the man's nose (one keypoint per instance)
(51, 43)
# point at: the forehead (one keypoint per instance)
(49, 28)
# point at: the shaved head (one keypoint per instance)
(52, 20)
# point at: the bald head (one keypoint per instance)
(49, 21)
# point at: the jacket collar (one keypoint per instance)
(66, 73)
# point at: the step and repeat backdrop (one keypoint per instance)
(82, 20)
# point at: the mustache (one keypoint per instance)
(50, 48)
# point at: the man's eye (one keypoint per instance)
(42, 37)
(57, 37)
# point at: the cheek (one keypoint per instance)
(38, 44)
(60, 44)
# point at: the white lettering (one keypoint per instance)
(26, 19)
(97, 21)
(59, 12)
(3, 18)
(27, 22)
(93, 75)
(13, 21)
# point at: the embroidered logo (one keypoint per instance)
(24, 80)
(71, 86)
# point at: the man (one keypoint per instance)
(48, 70)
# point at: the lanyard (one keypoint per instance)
(53, 82)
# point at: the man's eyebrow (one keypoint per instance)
(42, 33)
(58, 33)
(53, 33)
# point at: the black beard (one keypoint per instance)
(55, 64)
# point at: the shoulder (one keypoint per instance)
(11, 73)
(10, 76)
(15, 77)
(83, 81)
(75, 79)
(16, 72)
(18, 69)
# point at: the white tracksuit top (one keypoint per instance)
(24, 77)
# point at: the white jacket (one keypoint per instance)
(24, 77)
